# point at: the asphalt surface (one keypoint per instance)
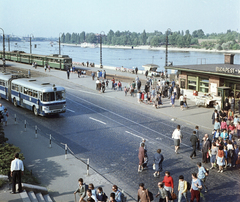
(107, 128)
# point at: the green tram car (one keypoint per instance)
(62, 62)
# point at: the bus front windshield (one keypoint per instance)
(53, 96)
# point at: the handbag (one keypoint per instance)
(174, 196)
(154, 166)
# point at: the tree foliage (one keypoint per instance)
(222, 41)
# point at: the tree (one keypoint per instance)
(144, 37)
(155, 41)
(91, 38)
(62, 39)
(110, 36)
(82, 37)
(180, 41)
(68, 38)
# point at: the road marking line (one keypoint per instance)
(99, 107)
(135, 135)
(97, 120)
(71, 110)
(92, 93)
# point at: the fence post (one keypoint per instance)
(66, 151)
(50, 141)
(25, 125)
(35, 131)
(15, 118)
(87, 166)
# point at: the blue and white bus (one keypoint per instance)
(41, 98)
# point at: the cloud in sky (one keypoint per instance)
(50, 17)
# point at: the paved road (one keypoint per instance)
(108, 131)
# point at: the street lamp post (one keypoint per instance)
(8, 43)
(3, 58)
(101, 66)
(166, 60)
(31, 43)
(59, 43)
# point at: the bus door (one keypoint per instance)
(8, 93)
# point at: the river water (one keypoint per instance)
(123, 57)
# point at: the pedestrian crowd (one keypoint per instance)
(88, 193)
(219, 151)
(153, 95)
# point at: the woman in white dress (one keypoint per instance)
(176, 135)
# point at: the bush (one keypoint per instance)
(7, 152)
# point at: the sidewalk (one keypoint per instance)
(59, 175)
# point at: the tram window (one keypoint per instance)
(48, 97)
(60, 95)
(2, 82)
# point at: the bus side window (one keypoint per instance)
(25, 91)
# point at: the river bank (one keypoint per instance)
(147, 47)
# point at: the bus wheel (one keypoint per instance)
(35, 111)
(15, 102)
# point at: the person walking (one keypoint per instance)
(5, 116)
(215, 116)
(202, 174)
(182, 188)
(93, 75)
(205, 148)
(136, 70)
(168, 183)
(173, 99)
(176, 135)
(181, 101)
(233, 104)
(162, 193)
(214, 151)
(101, 196)
(195, 186)
(104, 74)
(157, 160)
(197, 134)
(141, 157)
(193, 140)
(68, 73)
(146, 73)
(81, 190)
(16, 169)
(118, 195)
(94, 192)
(143, 194)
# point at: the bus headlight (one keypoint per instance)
(45, 108)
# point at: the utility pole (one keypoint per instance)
(166, 59)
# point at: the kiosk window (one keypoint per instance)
(192, 82)
(204, 85)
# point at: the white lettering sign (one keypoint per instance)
(228, 70)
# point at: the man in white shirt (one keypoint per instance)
(17, 169)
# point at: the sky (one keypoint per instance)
(50, 18)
